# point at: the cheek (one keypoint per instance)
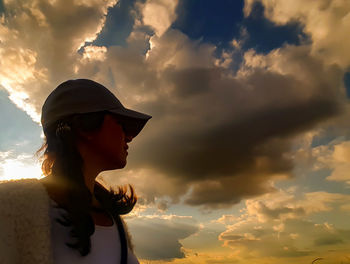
(111, 156)
(110, 146)
(113, 150)
(114, 143)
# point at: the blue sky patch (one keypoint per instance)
(13, 120)
(265, 36)
(118, 26)
(223, 21)
(314, 181)
(214, 22)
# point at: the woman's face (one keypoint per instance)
(109, 143)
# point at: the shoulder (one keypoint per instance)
(24, 221)
(19, 182)
(23, 192)
(22, 185)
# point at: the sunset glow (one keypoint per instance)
(12, 169)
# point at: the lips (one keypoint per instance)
(126, 149)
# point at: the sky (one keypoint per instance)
(247, 156)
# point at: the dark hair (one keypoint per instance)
(62, 161)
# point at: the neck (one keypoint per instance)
(91, 168)
(89, 177)
(90, 174)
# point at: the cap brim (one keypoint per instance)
(132, 121)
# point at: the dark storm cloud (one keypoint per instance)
(219, 136)
(226, 136)
(188, 82)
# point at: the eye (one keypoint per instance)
(120, 122)
(124, 123)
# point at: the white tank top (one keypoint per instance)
(105, 243)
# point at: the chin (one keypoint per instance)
(116, 165)
(121, 165)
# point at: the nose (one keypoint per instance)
(128, 138)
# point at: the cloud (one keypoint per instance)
(284, 205)
(166, 232)
(216, 133)
(18, 166)
(225, 219)
(340, 162)
(333, 156)
(94, 53)
(159, 14)
(150, 184)
(277, 225)
(330, 240)
(39, 44)
(176, 50)
(223, 130)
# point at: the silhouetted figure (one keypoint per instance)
(67, 217)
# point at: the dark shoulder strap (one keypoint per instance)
(123, 241)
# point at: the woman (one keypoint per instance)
(67, 217)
